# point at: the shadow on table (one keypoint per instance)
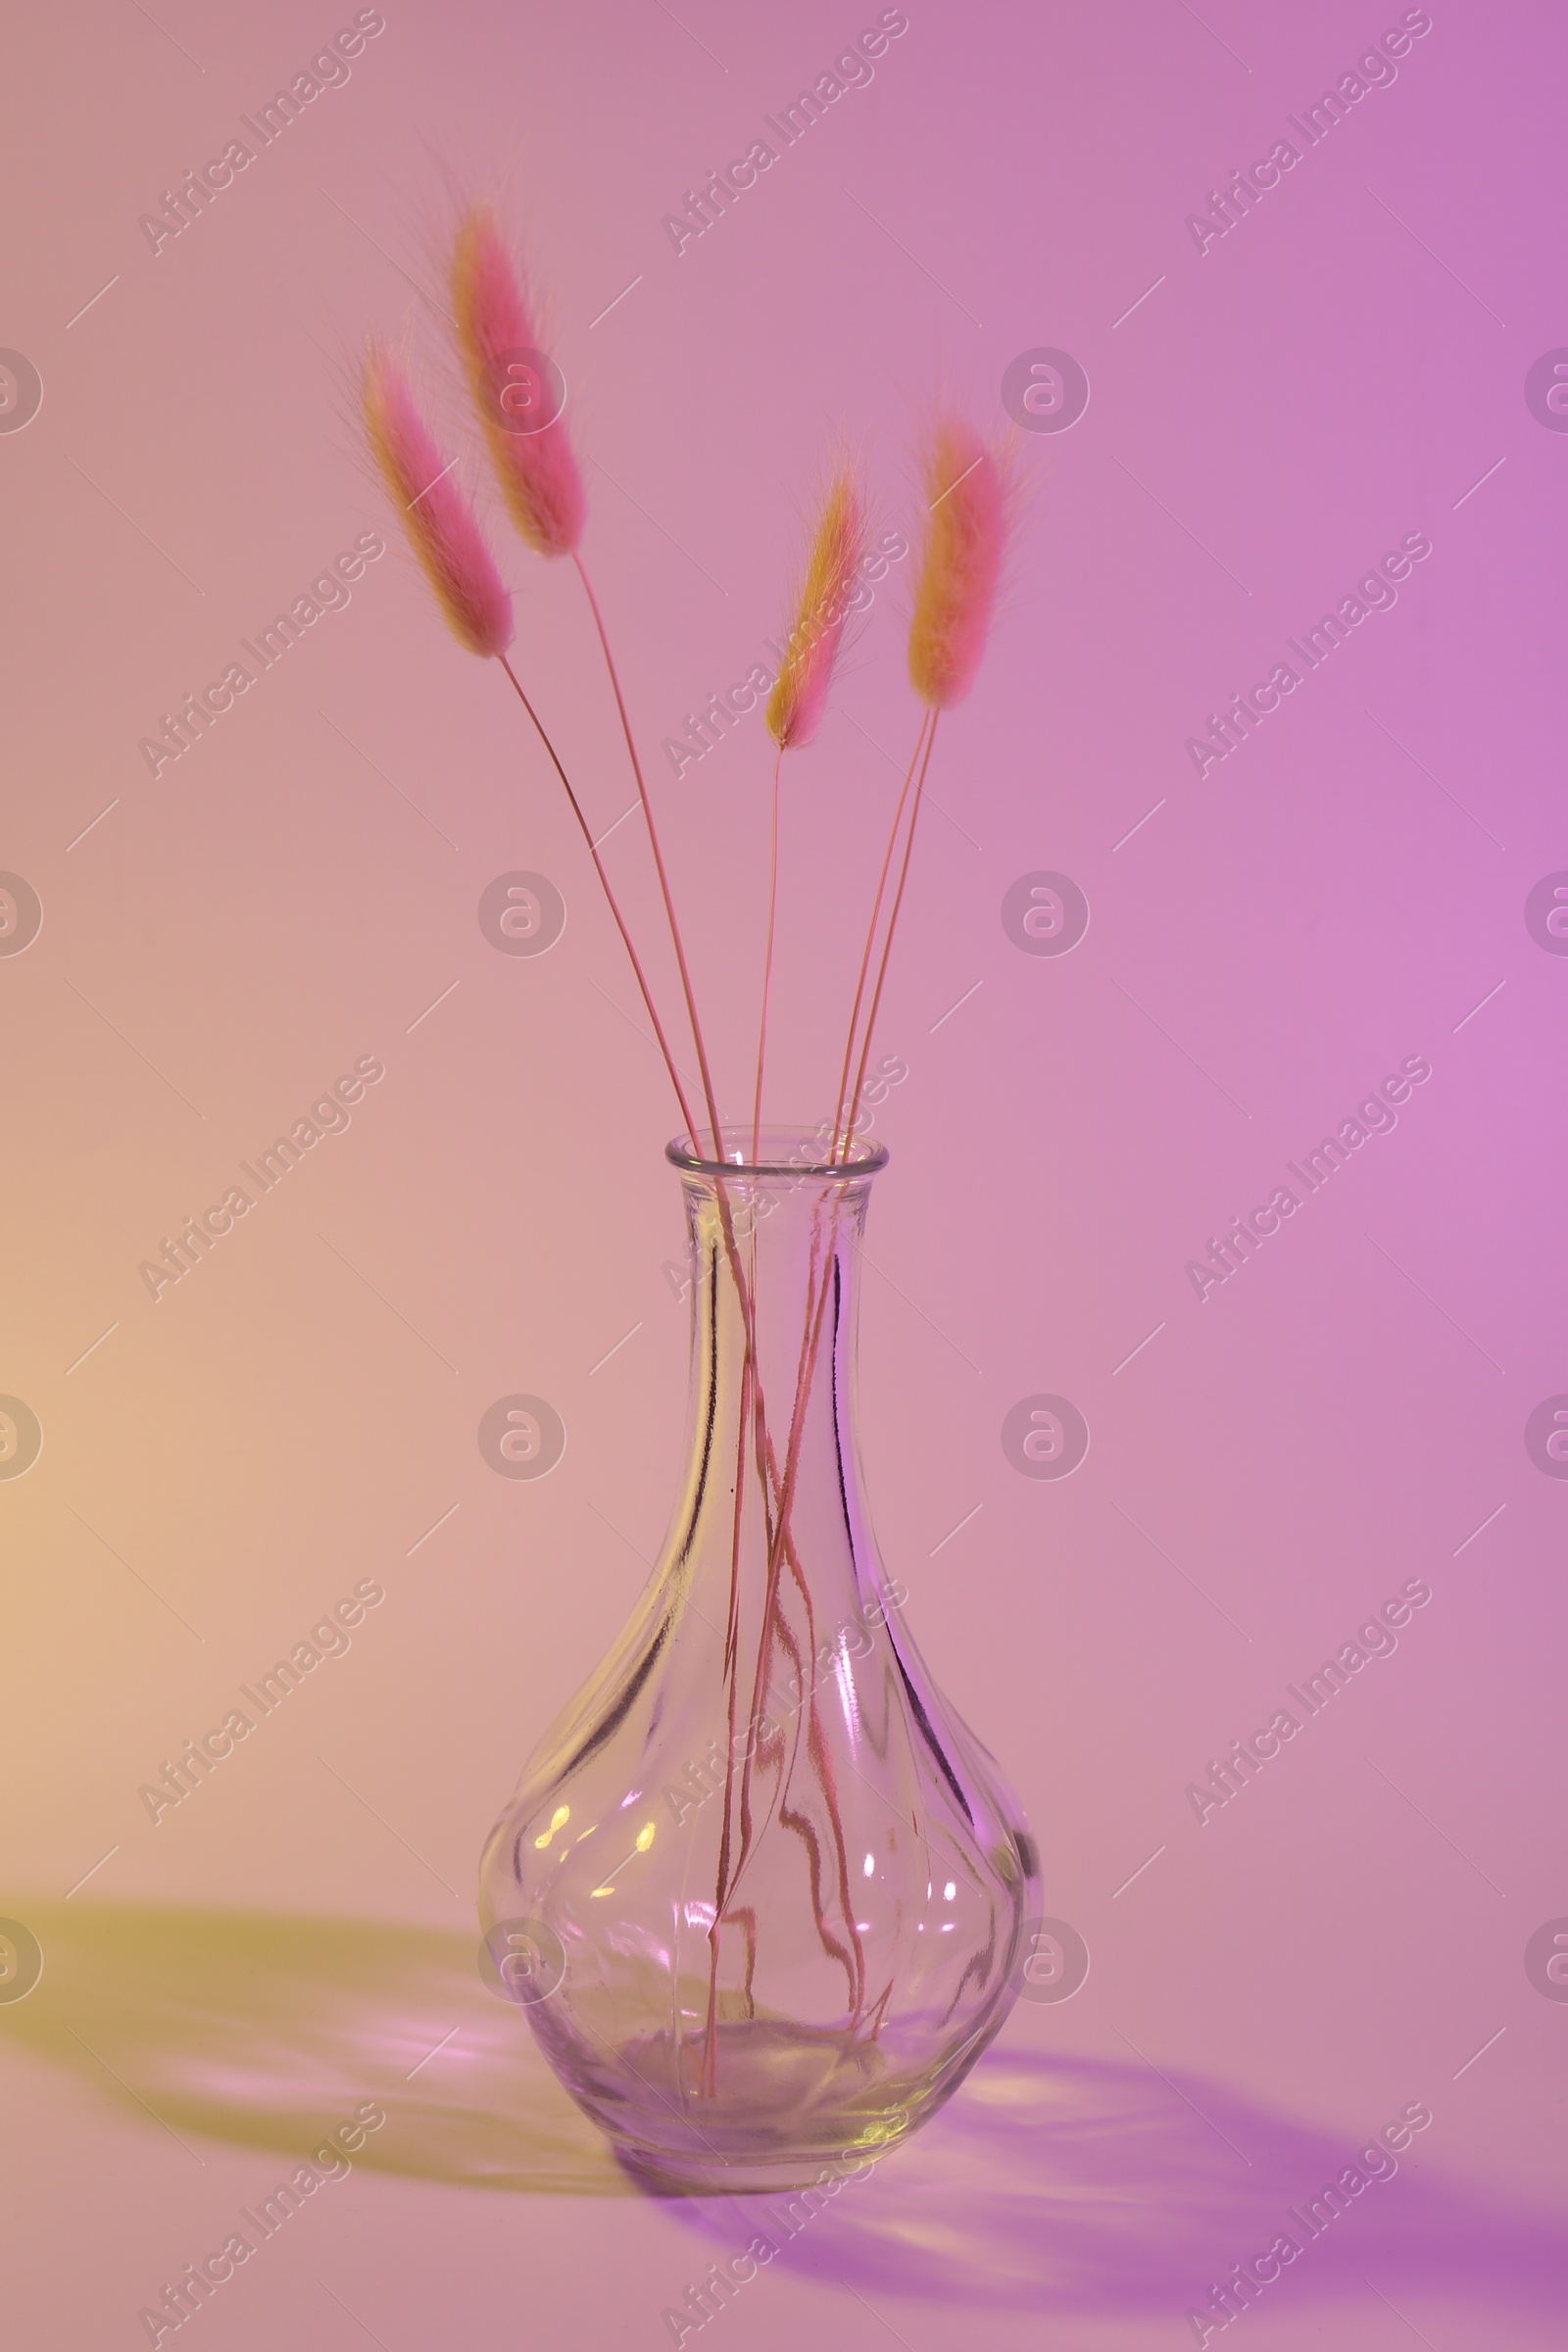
(269, 2032)
(1090, 2188)
(1073, 2186)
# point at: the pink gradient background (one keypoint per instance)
(1277, 413)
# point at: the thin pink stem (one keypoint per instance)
(840, 1110)
(780, 1539)
(780, 1542)
(815, 1302)
(610, 895)
(767, 964)
(780, 1548)
(726, 1220)
(709, 2079)
(893, 918)
(659, 860)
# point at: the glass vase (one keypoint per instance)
(760, 1891)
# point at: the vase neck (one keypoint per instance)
(774, 1293)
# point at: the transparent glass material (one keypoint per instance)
(761, 1893)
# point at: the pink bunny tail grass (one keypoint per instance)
(443, 529)
(800, 696)
(969, 491)
(537, 471)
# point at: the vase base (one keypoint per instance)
(791, 2107)
(662, 2175)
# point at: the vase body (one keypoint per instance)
(761, 1895)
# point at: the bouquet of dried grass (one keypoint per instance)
(968, 511)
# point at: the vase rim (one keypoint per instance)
(782, 1152)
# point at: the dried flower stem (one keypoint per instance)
(840, 1109)
(709, 2067)
(779, 1531)
(609, 897)
(768, 961)
(887, 943)
(659, 861)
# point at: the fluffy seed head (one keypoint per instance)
(443, 529)
(537, 472)
(829, 592)
(966, 537)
